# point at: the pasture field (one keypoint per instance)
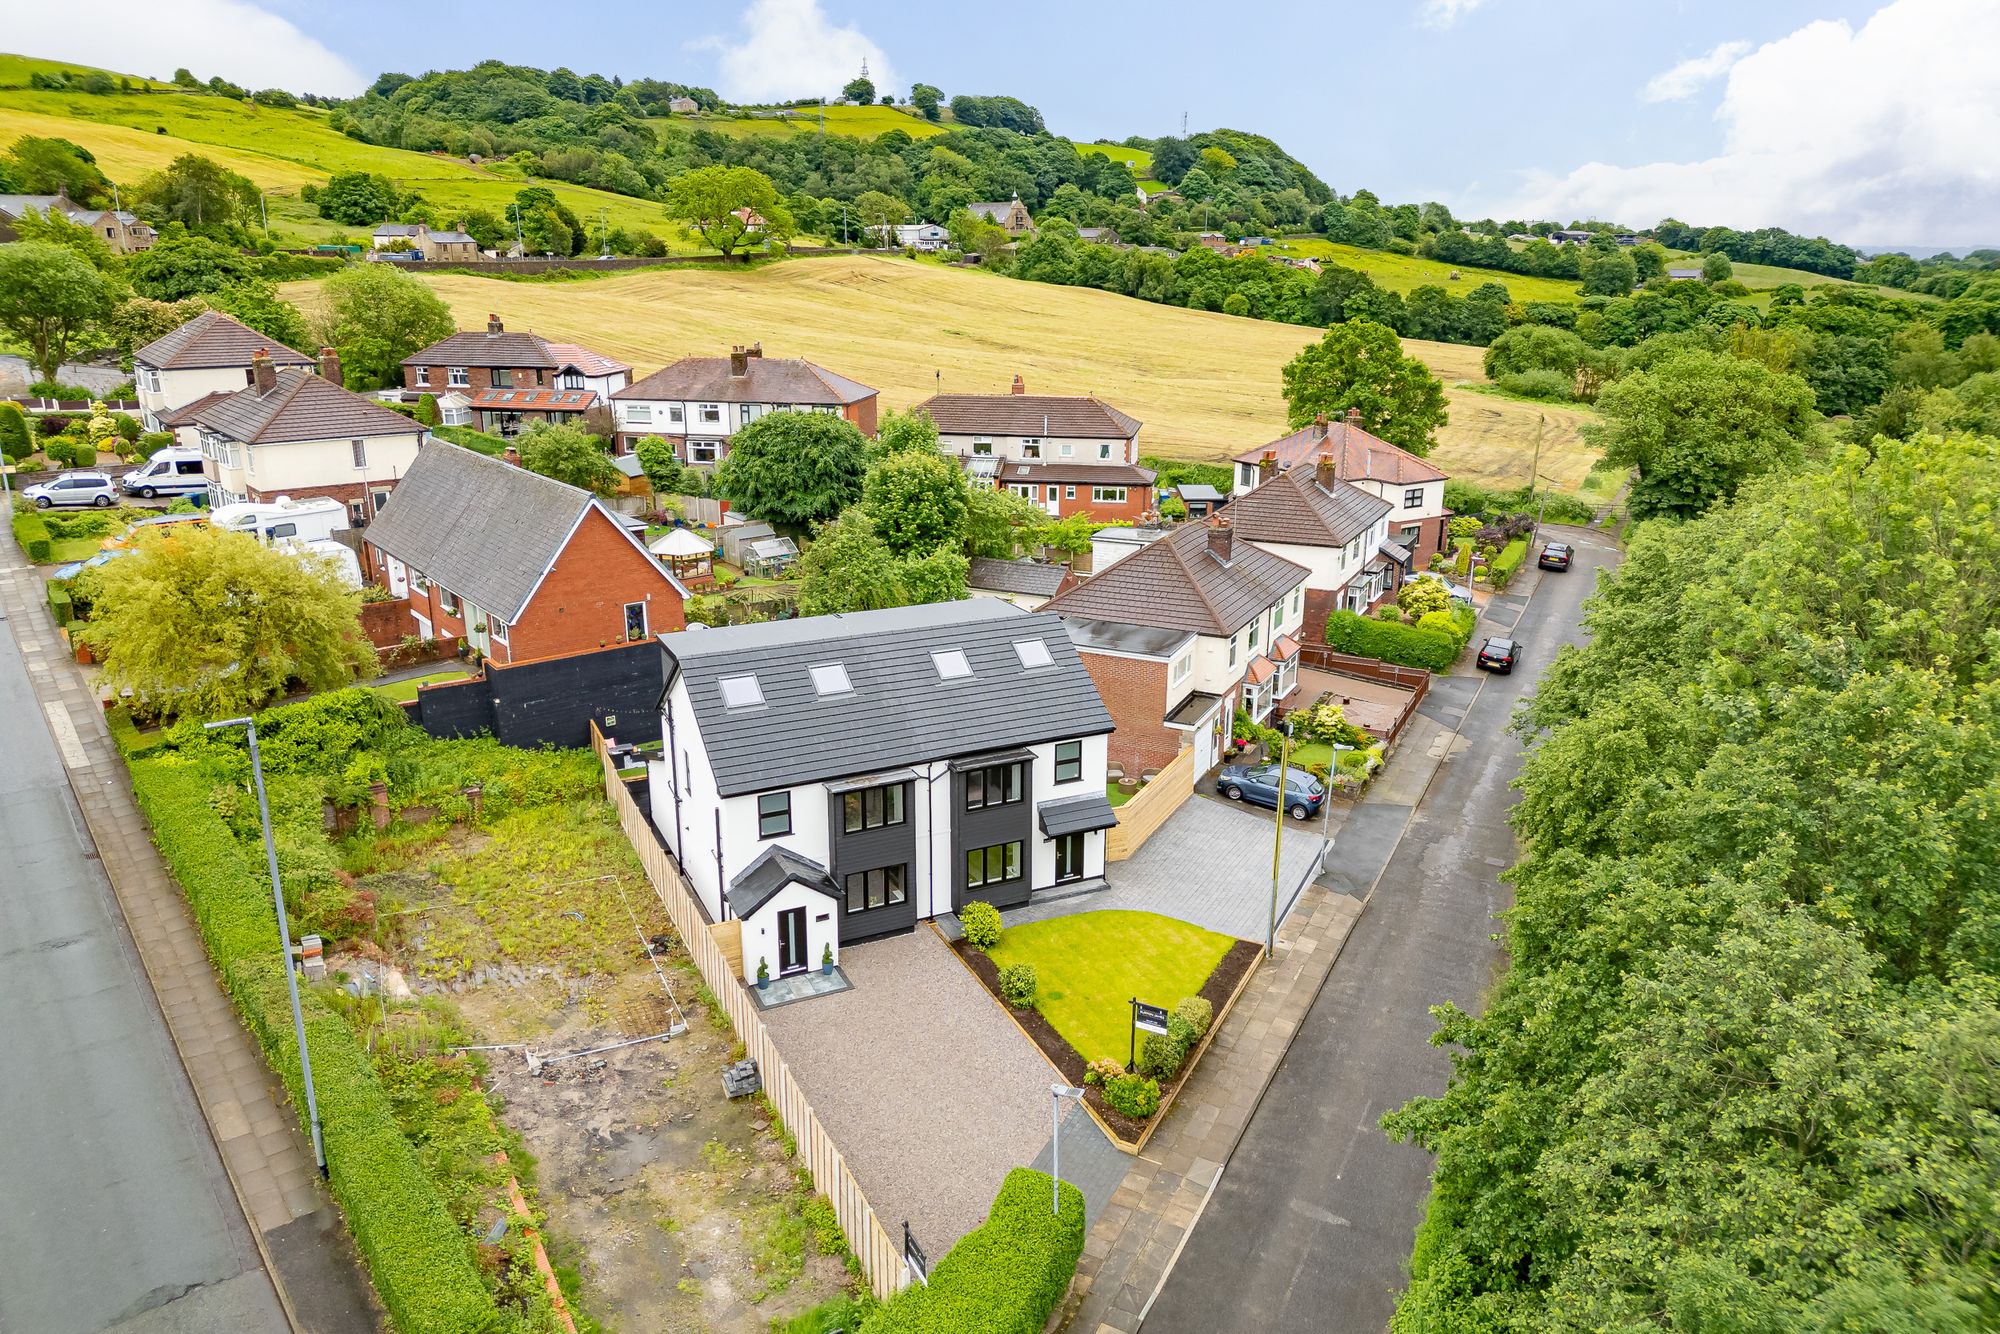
(1138, 159)
(1406, 273)
(854, 121)
(1206, 385)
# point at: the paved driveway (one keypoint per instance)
(930, 1091)
(1209, 864)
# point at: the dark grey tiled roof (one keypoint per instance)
(1177, 583)
(764, 380)
(1294, 508)
(1075, 815)
(484, 529)
(1032, 577)
(301, 406)
(213, 339)
(899, 712)
(1048, 416)
(480, 348)
(777, 867)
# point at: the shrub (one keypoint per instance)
(15, 441)
(1545, 384)
(1101, 1069)
(981, 924)
(1509, 560)
(1163, 1054)
(59, 604)
(478, 441)
(1005, 1276)
(53, 423)
(33, 535)
(1136, 1096)
(1411, 646)
(1419, 597)
(1389, 612)
(61, 450)
(1018, 983)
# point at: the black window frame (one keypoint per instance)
(983, 777)
(893, 881)
(986, 855)
(1413, 497)
(1073, 765)
(856, 799)
(764, 817)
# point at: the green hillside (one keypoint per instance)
(1138, 159)
(856, 122)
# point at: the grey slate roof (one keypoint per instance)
(484, 529)
(1033, 578)
(1197, 491)
(301, 406)
(1177, 583)
(778, 866)
(212, 339)
(1294, 508)
(1075, 815)
(899, 711)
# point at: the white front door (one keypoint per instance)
(1054, 503)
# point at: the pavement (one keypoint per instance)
(1310, 1226)
(152, 1175)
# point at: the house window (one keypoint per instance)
(497, 628)
(457, 377)
(571, 380)
(709, 412)
(882, 887)
(1232, 650)
(1031, 449)
(1246, 474)
(1069, 761)
(675, 414)
(502, 379)
(1298, 596)
(541, 378)
(640, 414)
(1104, 450)
(1413, 498)
(1108, 495)
(1055, 492)
(982, 447)
(447, 602)
(150, 378)
(871, 808)
(360, 452)
(774, 814)
(1069, 857)
(743, 414)
(1069, 493)
(992, 865)
(1066, 451)
(457, 416)
(1183, 668)
(993, 785)
(1255, 626)
(635, 620)
(701, 451)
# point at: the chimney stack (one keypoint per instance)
(1020, 386)
(494, 327)
(1354, 418)
(263, 375)
(739, 362)
(1221, 539)
(329, 365)
(511, 455)
(756, 350)
(1267, 467)
(1329, 471)
(1319, 426)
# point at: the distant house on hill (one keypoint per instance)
(1684, 275)
(1570, 237)
(683, 106)
(1011, 216)
(121, 231)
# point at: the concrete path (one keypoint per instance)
(1311, 1226)
(169, 1146)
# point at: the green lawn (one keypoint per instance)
(401, 692)
(1117, 794)
(1092, 964)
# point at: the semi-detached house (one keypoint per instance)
(836, 778)
(512, 381)
(1414, 487)
(1069, 454)
(698, 403)
(1182, 633)
(210, 355)
(1338, 531)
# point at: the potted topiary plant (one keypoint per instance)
(763, 974)
(826, 960)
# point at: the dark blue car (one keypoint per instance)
(1258, 785)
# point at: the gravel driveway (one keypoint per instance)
(930, 1091)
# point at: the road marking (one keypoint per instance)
(1317, 1214)
(67, 741)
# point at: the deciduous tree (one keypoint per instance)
(356, 198)
(178, 266)
(1360, 365)
(567, 454)
(793, 468)
(707, 199)
(375, 315)
(201, 195)
(49, 299)
(918, 502)
(46, 166)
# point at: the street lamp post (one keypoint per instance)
(1057, 1092)
(284, 933)
(1278, 838)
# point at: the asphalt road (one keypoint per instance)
(1310, 1226)
(115, 1212)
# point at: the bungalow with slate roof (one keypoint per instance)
(697, 403)
(1414, 487)
(1068, 454)
(1028, 584)
(297, 433)
(1181, 633)
(210, 354)
(514, 380)
(831, 779)
(517, 565)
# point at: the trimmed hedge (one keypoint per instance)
(60, 604)
(1347, 632)
(1509, 560)
(33, 535)
(421, 1263)
(479, 442)
(1003, 1277)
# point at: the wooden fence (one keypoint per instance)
(880, 1254)
(1139, 818)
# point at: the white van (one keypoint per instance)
(349, 564)
(174, 471)
(285, 520)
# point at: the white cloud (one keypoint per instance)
(789, 48)
(1691, 76)
(1882, 135)
(233, 38)
(1444, 13)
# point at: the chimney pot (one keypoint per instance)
(1020, 385)
(756, 350)
(511, 455)
(739, 362)
(329, 364)
(493, 326)
(1221, 539)
(1354, 417)
(263, 374)
(1319, 425)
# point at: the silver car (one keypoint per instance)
(73, 489)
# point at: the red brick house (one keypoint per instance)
(512, 381)
(517, 565)
(1414, 487)
(1181, 633)
(697, 403)
(1068, 454)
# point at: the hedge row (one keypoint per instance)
(60, 605)
(1434, 642)
(1003, 1277)
(479, 442)
(33, 535)
(422, 1264)
(1509, 560)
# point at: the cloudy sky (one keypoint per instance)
(1874, 123)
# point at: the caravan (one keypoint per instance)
(286, 520)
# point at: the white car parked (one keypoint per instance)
(73, 489)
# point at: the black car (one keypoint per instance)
(1555, 556)
(1499, 655)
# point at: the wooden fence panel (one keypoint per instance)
(880, 1254)
(1141, 817)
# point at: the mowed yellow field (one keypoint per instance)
(1206, 385)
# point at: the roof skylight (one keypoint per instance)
(1032, 652)
(951, 663)
(831, 679)
(740, 692)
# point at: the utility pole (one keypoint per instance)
(520, 243)
(263, 213)
(1278, 838)
(1534, 473)
(604, 232)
